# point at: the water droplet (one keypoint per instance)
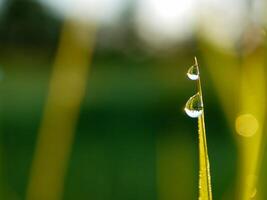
(194, 106)
(193, 72)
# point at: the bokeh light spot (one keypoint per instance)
(164, 23)
(246, 125)
(96, 11)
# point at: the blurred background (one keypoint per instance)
(93, 91)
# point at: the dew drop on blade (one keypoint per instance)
(193, 73)
(194, 106)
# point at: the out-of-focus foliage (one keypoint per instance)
(132, 139)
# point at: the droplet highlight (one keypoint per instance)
(193, 73)
(194, 106)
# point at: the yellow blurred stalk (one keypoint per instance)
(252, 102)
(224, 71)
(241, 88)
(66, 92)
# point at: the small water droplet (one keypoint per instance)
(193, 72)
(194, 106)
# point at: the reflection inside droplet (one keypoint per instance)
(246, 125)
(193, 72)
(194, 106)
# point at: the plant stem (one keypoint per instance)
(57, 130)
(205, 192)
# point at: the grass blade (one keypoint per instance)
(195, 108)
(204, 167)
(205, 192)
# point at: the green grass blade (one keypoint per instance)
(205, 192)
(195, 108)
(204, 166)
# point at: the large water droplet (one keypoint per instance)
(193, 72)
(194, 106)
